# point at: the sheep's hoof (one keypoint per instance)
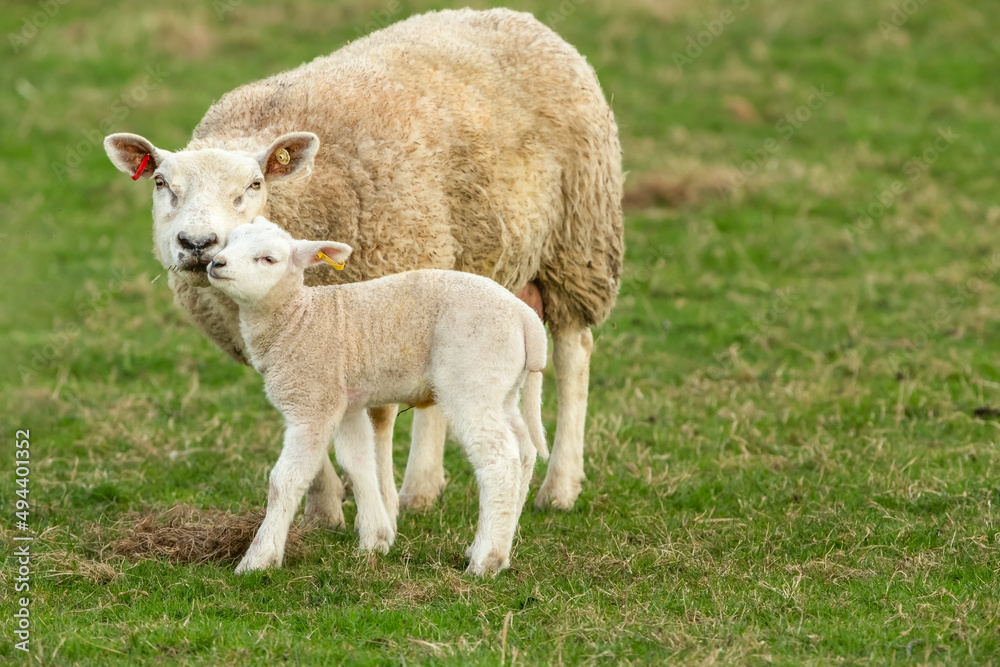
(492, 564)
(557, 496)
(379, 541)
(421, 497)
(252, 562)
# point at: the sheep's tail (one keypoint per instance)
(535, 344)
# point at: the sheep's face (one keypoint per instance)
(201, 196)
(262, 258)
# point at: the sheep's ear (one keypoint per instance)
(290, 155)
(128, 150)
(307, 253)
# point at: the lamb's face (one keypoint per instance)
(256, 258)
(201, 196)
(261, 256)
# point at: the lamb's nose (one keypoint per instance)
(196, 244)
(216, 263)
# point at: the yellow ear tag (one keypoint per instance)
(282, 156)
(321, 255)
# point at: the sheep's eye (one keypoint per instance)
(160, 182)
(255, 185)
(269, 259)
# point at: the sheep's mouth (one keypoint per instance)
(196, 267)
(194, 273)
(193, 262)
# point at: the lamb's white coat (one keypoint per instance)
(327, 353)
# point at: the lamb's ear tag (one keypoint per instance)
(283, 156)
(142, 168)
(323, 256)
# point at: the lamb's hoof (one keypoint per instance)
(421, 497)
(332, 519)
(252, 562)
(560, 496)
(491, 564)
(378, 540)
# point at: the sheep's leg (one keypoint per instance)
(324, 500)
(354, 443)
(383, 419)
(571, 357)
(526, 448)
(301, 459)
(494, 454)
(424, 480)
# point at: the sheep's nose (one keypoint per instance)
(218, 262)
(196, 244)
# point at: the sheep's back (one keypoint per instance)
(446, 142)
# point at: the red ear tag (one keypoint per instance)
(142, 168)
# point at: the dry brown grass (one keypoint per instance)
(64, 565)
(188, 535)
(657, 190)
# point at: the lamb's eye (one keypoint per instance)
(160, 182)
(269, 259)
(255, 185)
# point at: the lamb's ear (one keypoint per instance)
(128, 150)
(290, 155)
(307, 253)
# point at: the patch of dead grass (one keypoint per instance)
(189, 535)
(690, 188)
(65, 565)
(181, 35)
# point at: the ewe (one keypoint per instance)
(425, 336)
(469, 140)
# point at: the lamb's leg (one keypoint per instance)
(301, 459)
(383, 419)
(526, 448)
(354, 443)
(494, 455)
(424, 480)
(571, 357)
(324, 500)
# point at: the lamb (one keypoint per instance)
(425, 336)
(470, 140)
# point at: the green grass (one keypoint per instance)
(786, 462)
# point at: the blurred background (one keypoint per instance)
(804, 346)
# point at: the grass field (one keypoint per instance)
(792, 439)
